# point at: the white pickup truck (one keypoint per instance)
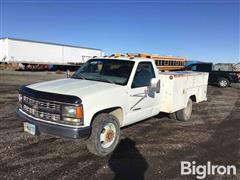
(106, 94)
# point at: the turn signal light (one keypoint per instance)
(79, 112)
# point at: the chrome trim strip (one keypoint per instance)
(51, 122)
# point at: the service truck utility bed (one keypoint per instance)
(177, 87)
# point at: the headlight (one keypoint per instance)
(72, 113)
(69, 111)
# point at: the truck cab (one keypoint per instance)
(106, 94)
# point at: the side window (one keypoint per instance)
(143, 75)
(194, 68)
(204, 67)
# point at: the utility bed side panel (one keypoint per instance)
(176, 88)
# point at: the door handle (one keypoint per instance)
(143, 94)
(138, 95)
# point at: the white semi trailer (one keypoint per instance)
(35, 52)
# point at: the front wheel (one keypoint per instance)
(105, 135)
(223, 82)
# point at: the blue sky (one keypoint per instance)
(199, 30)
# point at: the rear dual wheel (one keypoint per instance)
(183, 114)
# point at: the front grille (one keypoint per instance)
(41, 109)
(41, 115)
(41, 104)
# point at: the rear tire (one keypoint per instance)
(105, 135)
(223, 82)
(185, 114)
(173, 116)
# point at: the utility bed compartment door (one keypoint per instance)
(178, 87)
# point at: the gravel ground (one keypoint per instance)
(151, 149)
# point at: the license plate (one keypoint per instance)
(30, 128)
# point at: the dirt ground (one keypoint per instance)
(151, 149)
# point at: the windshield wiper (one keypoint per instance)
(104, 79)
(108, 80)
(79, 77)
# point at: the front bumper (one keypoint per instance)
(55, 129)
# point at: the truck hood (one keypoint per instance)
(76, 87)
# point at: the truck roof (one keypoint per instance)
(124, 58)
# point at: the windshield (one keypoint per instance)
(105, 70)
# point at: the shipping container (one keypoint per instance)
(237, 67)
(223, 67)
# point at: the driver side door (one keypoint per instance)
(140, 100)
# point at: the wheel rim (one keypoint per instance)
(108, 135)
(223, 83)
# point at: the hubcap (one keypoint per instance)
(223, 83)
(108, 135)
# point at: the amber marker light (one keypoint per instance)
(79, 112)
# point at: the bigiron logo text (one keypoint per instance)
(202, 171)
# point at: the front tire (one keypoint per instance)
(223, 82)
(173, 115)
(105, 135)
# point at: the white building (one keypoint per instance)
(36, 52)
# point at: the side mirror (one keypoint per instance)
(154, 85)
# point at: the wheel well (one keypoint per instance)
(193, 98)
(224, 77)
(115, 111)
